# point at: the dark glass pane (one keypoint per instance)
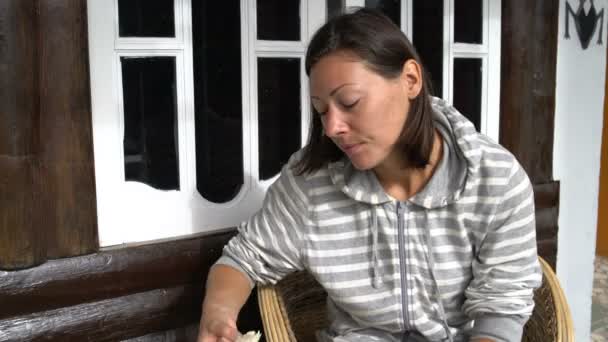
(428, 39)
(279, 112)
(150, 121)
(278, 19)
(467, 88)
(146, 18)
(390, 8)
(334, 8)
(468, 19)
(218, 106)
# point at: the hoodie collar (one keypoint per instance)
(459, 161)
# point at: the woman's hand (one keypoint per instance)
(218, 324)
(227, 291)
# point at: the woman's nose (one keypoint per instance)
(333, 123)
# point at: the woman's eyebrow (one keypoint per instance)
(334, 90)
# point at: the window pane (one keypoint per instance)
(278, 20)
(146, 18)
(428, 39)
(390, 8)
(467, 88)
(218, 96)
(279, 112)
(468, 19)
(150, 122)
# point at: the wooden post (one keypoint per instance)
(527, 107)
(67, 179)
(22, 244)
(47, 183)
(528, 69)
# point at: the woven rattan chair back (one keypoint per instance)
(295, 308)
(551, 319)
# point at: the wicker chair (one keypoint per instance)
(294, 309)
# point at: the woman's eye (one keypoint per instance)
(350, 104)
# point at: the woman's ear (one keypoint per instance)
(412, 77)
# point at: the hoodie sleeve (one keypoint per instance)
(267, 246)
(506, 269)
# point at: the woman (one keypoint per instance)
(418, 227)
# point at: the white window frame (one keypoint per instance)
(488, 52)
(135, 212)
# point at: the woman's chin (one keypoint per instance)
(361, 165)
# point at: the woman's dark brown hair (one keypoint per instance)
(384, 49)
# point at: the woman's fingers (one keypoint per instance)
(218, 332)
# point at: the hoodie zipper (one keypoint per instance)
(402, 260)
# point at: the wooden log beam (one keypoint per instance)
(21, 242)
(67, 181)
(109, 273)
(165, 314)
(141, 292)
(108, 320)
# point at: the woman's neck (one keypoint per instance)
(402, 183)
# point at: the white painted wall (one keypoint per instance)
(578, 130)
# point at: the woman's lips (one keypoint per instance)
(351, 149)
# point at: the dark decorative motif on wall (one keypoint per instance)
(585, 23)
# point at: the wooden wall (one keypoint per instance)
(148, 293)
(57, 284)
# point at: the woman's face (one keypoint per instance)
(362, 112)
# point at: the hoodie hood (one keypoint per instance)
(459, 163)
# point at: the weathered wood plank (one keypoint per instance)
(546, 195)
(546, 199)
(528, 71)
(546, 222)
(148, 291)
(110, 273)
(108, 320)
(67, 179)
(160, 315)
(21, 244)
(18, 77)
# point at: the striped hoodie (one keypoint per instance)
(456, 260)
